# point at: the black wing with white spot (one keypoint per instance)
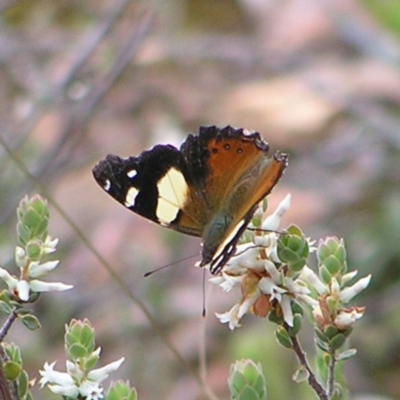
(143, 184)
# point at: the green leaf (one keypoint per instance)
(337, 341)
(76, 352)
(345, 355)
(331, 331)
(31, 322)
(301, 375)
(23, 384)
(5, 307)
(91, 361)
(295, 329)
(12, 370)
(248, 393)
(283, 337)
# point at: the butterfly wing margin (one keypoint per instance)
(153, 185)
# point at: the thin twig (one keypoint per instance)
(7, 325)
(312, 380)
(331, 373)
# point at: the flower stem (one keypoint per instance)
(331, 373)
(312, 379)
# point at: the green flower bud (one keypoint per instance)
(121, 391)
(331, 254)
(79, 339)
(33, 218)
(293, 249)
(246, 381)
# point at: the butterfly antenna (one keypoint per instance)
(266, 230)
(204, 312)
(168, 265)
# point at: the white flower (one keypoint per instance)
(346, 318)
(230, 317)
(314, 280)
(49, 245)
(227, 282)
(262, 283)
(74, 370)
(68, 390)
(99, 374)
(76, 383)
(287, 310)
(348, 293)
(36, 270)
(20, 257)
(268, 286)
(91, 390)
(272, 221)
(40, 286)
(23, 290)
(50, 376)
(11, 281)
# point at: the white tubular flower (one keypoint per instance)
(91, 390)
(20, 257)
(348, 293)
(40, 286)
(70, 391)
(37, 270)
(273, 271)
(230, 317)
(314, 280)
(49, 245)
(74, 370)
(349, 276)
(268, 286)
(246, 255)
(230, 282)
(48, 375)
(272, 221)
(99, 374)
(287, 310)
(23, 290)
(10, 280)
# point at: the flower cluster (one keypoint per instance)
(271, 270)
(81, 379)
(35, 245)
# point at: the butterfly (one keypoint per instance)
(209, 187)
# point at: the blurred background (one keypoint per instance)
(319, 80)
